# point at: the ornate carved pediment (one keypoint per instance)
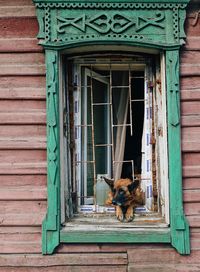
(156, 23)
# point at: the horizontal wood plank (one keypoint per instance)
(23, 168)
(21, 118)
(192, 134)
(190, 69)
(191, 159)
(20, 230)
(22, 207)
(22, 69)
(190, 146)
(15, 106)
(190, 108)
(13, 3)
(191, 183)
(19, 27)
(63, 259)
(22, 59)
(22, 156)
(20, 243)
(22, 82)
(192, 43)
(190, 94)
(191, 82)
(19, 45)
(18, 181)
(23, 131)
(192, 196)
(194, 221)
(22, 213)
(191, 171)
(23, 93)
(80, 248)
(22, 219)
(17, 11)
(190, 57)
(190, 120)
(68, 268)
(23, 193)
(192, 208)
(162, 268)
(195, 238)
(190, 139)
(162, 256)
(22, 64)
(23, 143)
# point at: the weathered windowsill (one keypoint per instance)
(107, 229)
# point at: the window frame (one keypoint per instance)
(178, 232)
(140, 62)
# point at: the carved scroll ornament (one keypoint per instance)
(116, 23)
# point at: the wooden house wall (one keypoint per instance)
(23, 189)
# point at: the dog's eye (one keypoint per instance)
(121, 191)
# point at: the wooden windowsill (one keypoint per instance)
(109, 221)
(101, 228)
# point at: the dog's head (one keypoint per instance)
(123, 191)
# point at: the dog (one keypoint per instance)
(125, 194)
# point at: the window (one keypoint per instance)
(77, 28)
(116, 128)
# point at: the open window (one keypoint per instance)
(116, 128)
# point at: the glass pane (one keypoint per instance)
(102, 124)
(120, 78)
(103, 160)
(100, 91)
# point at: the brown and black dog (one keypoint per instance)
(125, 195)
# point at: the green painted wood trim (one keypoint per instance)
(144, 236)
(179, 225)
(165, 32)
(157, 23)
(51, 223)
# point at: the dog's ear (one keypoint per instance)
(110, 182)
(133, 185)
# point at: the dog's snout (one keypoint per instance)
(114, 202)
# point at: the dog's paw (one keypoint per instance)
(129, 218)
(129, 214)
(119, 214)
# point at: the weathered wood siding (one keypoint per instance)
(23, 158)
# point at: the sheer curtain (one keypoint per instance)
(121, 119)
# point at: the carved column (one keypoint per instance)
(178, 223)
(51, 224)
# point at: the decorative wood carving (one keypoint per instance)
(51, 224)
(178, 223)
(145, 23)
(173, 67)
(63, 23)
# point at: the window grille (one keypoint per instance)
(100, 89)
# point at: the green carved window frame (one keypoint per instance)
(69, 24)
